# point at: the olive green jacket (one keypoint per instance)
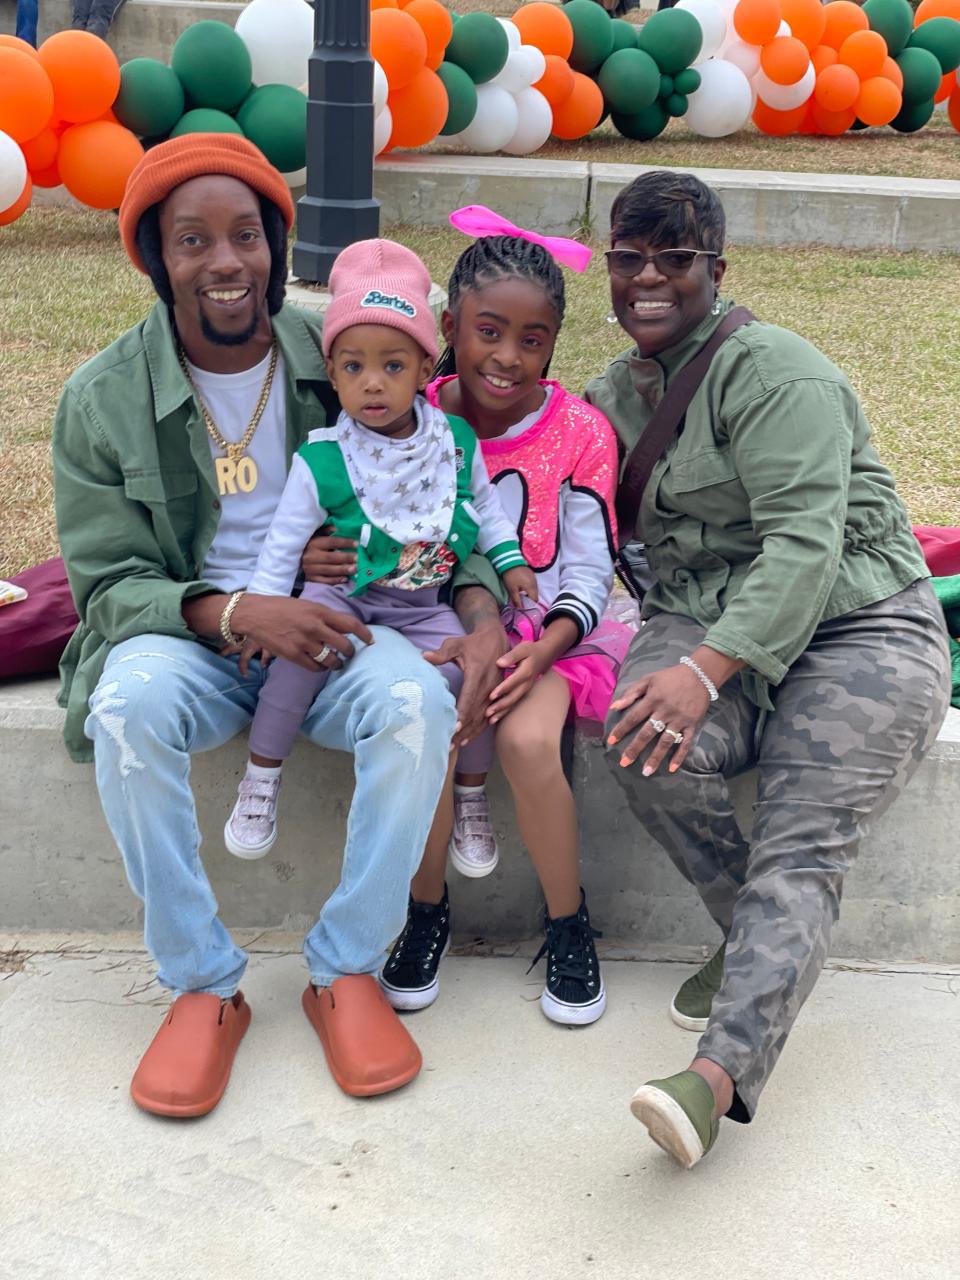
(771, 511)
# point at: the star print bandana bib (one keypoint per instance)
(407, 488)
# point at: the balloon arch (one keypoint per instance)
(71, 115)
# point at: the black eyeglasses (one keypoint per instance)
(669, 262)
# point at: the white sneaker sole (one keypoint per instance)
(573, 1015)
(668, 1124)
(685, 1021)
(471, 870)
(405, 1000)
(247, 852)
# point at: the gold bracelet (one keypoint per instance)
(225, 630)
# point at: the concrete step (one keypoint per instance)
(62, 871)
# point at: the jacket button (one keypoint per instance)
(395, 549)
(216, 504)
(369, 573)
(454, 537)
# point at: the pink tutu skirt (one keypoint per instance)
(590, 668)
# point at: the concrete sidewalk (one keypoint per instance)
(512, 1156)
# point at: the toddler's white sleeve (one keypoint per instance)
(296, 519)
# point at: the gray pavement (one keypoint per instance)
(513, 1155)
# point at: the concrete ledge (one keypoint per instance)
(62, 871)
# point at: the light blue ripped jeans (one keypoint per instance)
(161, 698)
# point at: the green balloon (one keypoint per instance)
(687, 81)
(666, 85)
(893, 19)
(150, 101)
(913, 117)
(673, 38)
(939, 36)
(642, 125)
(592, 34)
(624, 34)
(479, 45)
(921, 76)
(274, 118)
(462, 95)
(205, 120)
(629, 81)
(676, 104)
(213, 65)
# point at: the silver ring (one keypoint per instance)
(324, 653)
(677, 737)
(658, 725)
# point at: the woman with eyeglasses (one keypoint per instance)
(788, 628)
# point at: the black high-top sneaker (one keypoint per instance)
(574, 993)
(409, 978)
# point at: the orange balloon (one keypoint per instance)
(581, 112)
(785, 60)
(437, 26)
(892, 72)
(556, 83)
(837, 88)
(96, 160)
(397, 42)
(546, 26)
(13, 211)
(384, 4)
(41, 151)
(832, 123)
(865, 52)
(879, 101)
(757, 21)
(47, 177)
(778, 123)
(419, 110)
(26, 95)
(806, 20)
(843, 18)
(953, 108)
(14, 42)
(823, 56)
(936, 9)
(84, 72)
(947, 86)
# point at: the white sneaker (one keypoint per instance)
(251, 830)
(473, 846)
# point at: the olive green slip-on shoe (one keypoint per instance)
(691, 1004)
(678, 1113)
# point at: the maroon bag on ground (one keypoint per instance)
(34, 632)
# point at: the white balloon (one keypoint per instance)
(13, 172)
(513, 77)
(279, 36)
(534, 62)
(298, 178)
(495, 122)
(713, 24)
(380, 88)
(513, 33)
(382, 129)
(784, 97)
(744, 56)
(723, 103)
(784, 29)
(535, 123)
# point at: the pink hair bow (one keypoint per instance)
(476, 220)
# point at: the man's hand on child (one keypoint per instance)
(520, 582)
(298, 630)
(329, 559)
(527, 661)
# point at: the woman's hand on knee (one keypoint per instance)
(665, 708)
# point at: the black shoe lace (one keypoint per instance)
(569, 941)
(421, 935)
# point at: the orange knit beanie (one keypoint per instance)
(168, 164)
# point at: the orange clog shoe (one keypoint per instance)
(369, 1050)
(186, 1069)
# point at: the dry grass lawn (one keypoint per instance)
(66, 291)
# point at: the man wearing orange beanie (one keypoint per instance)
(171, 449)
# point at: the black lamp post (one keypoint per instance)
(339, 207)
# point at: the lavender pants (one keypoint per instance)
(289, 691)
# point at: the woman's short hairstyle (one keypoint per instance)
(150, 245)
(668, 209)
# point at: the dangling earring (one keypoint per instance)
(717, 305)
(611, 317)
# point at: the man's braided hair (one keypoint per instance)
(493, 258)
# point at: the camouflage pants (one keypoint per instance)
(853, 719)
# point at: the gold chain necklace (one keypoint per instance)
(234, 470)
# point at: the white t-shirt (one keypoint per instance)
(245, 517)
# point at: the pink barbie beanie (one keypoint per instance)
(380, 282)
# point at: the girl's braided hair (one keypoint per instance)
(493, 258)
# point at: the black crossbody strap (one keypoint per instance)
(666, 418)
